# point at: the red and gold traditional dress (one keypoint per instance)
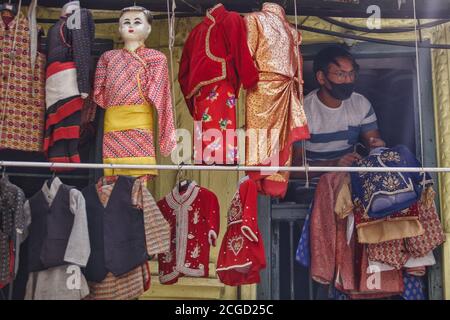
(274, 107)
(215, 62)
(241, 256)
(194, 219)
(129, 85)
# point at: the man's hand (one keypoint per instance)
(376, 143)
(348, 159)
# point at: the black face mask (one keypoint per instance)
(341, 91)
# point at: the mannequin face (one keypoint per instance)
(134, 27)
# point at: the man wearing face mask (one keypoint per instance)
(338, 117)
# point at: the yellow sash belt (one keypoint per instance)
(128, 117)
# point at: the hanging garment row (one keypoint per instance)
(97, 243)
(131, 83)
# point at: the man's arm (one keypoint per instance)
(297, 161)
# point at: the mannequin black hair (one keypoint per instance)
(146, 12)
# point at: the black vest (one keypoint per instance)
(116, 233)
(49, 230)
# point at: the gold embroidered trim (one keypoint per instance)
(212, 57)
(214, 8)
(277, 177)
(235, 266)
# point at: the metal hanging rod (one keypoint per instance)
(375, 40)
(218, 167)
(45, 176)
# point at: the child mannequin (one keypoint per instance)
(129, 84)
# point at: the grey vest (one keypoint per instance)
(116, 233)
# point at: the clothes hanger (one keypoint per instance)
(9, 7)
(4, 172)
(50, 181)
(181, 181)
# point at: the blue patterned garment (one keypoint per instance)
(303, 254)
(335, 294)
(414, 287)
(383, 193)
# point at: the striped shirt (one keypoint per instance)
(335, 131)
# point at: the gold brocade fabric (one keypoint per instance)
(344, 203)
(275, 103)
(275, 118)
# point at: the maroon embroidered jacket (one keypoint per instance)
(194, 219)
(216, 49)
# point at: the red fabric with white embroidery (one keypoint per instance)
(194, 218)
(241, 256)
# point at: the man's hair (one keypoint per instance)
(330, 55)
(146, 12)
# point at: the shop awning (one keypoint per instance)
(426, 9)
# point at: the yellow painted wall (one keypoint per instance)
(224, 184)
(441, 88)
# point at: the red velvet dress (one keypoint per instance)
(215, 61)
(241, 256)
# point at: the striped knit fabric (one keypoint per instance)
(127, 287)
(157, 229)
(63, 118)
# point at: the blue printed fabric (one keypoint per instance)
(335, 294)
(383, 193)
(303, 254)
(414, 287)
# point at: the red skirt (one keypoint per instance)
(214, 114)
(240, 260)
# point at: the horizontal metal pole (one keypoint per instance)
(216, 167)
(45, 176)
